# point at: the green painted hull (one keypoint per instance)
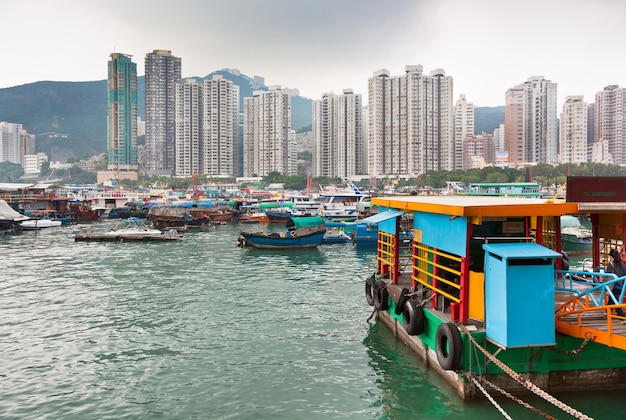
(554, 369)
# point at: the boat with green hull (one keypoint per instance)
(484, 296)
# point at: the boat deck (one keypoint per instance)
(576, 313)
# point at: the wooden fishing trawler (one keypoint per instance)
(174, 216)
(483, 295)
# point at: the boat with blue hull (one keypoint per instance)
(481, 293)
(301, 233)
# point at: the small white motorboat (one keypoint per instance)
(34, 224)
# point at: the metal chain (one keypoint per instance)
(475, 378)
(588, 338)
(525, 382)
(514, 398)
(489, 397)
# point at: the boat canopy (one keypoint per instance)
(8, 213)
(382, 216)
(275, 204)
(300, 222)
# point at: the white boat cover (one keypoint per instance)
(7, 213)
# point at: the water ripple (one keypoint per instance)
(198, 329)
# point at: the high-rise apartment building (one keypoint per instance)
(498, 138)
(122, 113)
(410, 122)
(268, 138)
(188, 127)
(573, 132)
(611, 122)
(220, 128)
(10, 144)
(207, 127)
(15, 143)
(463, 128)
(514, 132)
(532, 104)
(163, 72)
(478, 151)
(337, 134)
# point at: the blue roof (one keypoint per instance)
(520, 250)
(382, 216)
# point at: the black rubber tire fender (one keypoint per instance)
(449, 346)
(413, 317)
(369, 290)
(381, 295)
(401, 301)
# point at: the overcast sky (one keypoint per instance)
(319, 46)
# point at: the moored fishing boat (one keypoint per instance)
(302, 232)
(480, 296)
(173, 216)
(35, 224)
(130, 229)
(341, 205)
(336, 235)
(575, 235)
(9, 219)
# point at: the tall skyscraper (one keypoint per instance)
(268, 137)
(410, 122)
(163, 72)
(220, 128)
(514, 132)
(541, 121)
(122, 113)
(188, 127)
(531, 133)
(573, 132)
(337, 134)
(207, 127)
(10, 144)
(463, 128)
(611, 122)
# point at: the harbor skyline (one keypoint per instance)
(323, 46)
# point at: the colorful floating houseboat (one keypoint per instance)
(480, 294)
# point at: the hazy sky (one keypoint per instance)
(319, 46)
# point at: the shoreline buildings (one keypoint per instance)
(269, 141)
(338, 135)
(207, 127)
(530, 120)
(122, 114)
(573, 131)
(410, 122)
(610, 125)
(162, 73)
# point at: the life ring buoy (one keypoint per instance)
(413, 317)
(381, 295)
(401, 300)
(369, 290)
(449, 346)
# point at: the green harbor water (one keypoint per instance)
(199, 328)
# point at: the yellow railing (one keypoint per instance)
(426, 262)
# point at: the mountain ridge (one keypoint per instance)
(69, 118)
